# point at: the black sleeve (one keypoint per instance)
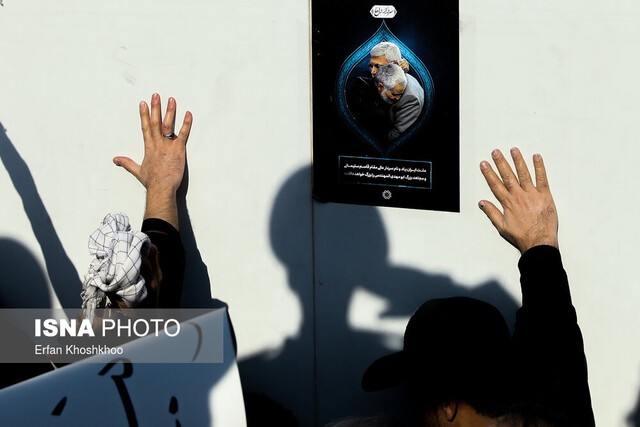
(171, 258)
(551, 364)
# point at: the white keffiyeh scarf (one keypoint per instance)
(118, 255)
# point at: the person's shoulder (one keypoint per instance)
(407, 99)
(412, 80)
(413, 85)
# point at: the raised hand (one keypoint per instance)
(528, 217)
(164, 159)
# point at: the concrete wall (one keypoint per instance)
(549, 77)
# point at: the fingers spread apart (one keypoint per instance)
(168, 124)
(495, 184)
(129, 165)
(508, 181)
(154, 127)
(541, 172)
(156, 116)
(493, 213)
(145, 121)
(521, 169)
(186, 127)
(508, 178)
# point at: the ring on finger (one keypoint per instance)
(169, 135)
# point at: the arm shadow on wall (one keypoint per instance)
(351, 252)
(62, 273)
(196, 291)
(633, 419)
(23, 282)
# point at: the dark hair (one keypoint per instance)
(488, 391)
(372, 421)
(532, 415)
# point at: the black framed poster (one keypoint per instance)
(386, 103)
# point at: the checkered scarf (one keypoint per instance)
(118, 255)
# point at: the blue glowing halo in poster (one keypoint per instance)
(356, 65)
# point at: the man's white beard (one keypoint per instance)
(386, 99)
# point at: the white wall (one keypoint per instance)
(557, 78)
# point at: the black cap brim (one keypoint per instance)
(388, 371)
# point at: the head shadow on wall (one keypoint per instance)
(350, 256)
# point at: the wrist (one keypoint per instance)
(161, 192)
(547, 241)
(162, 204)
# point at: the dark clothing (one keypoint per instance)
(549, 353)
(404, 112)
(172, 261)
(367, 107)
(171, 257)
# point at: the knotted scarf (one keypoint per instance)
(115, 270)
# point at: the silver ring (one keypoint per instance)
(169, 135)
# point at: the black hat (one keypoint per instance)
(450, 343)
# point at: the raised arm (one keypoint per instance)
(551, 372)
(62, 273)
(163, 164)
(161, 172)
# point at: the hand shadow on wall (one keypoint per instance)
(62, 273)
(351, 254)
